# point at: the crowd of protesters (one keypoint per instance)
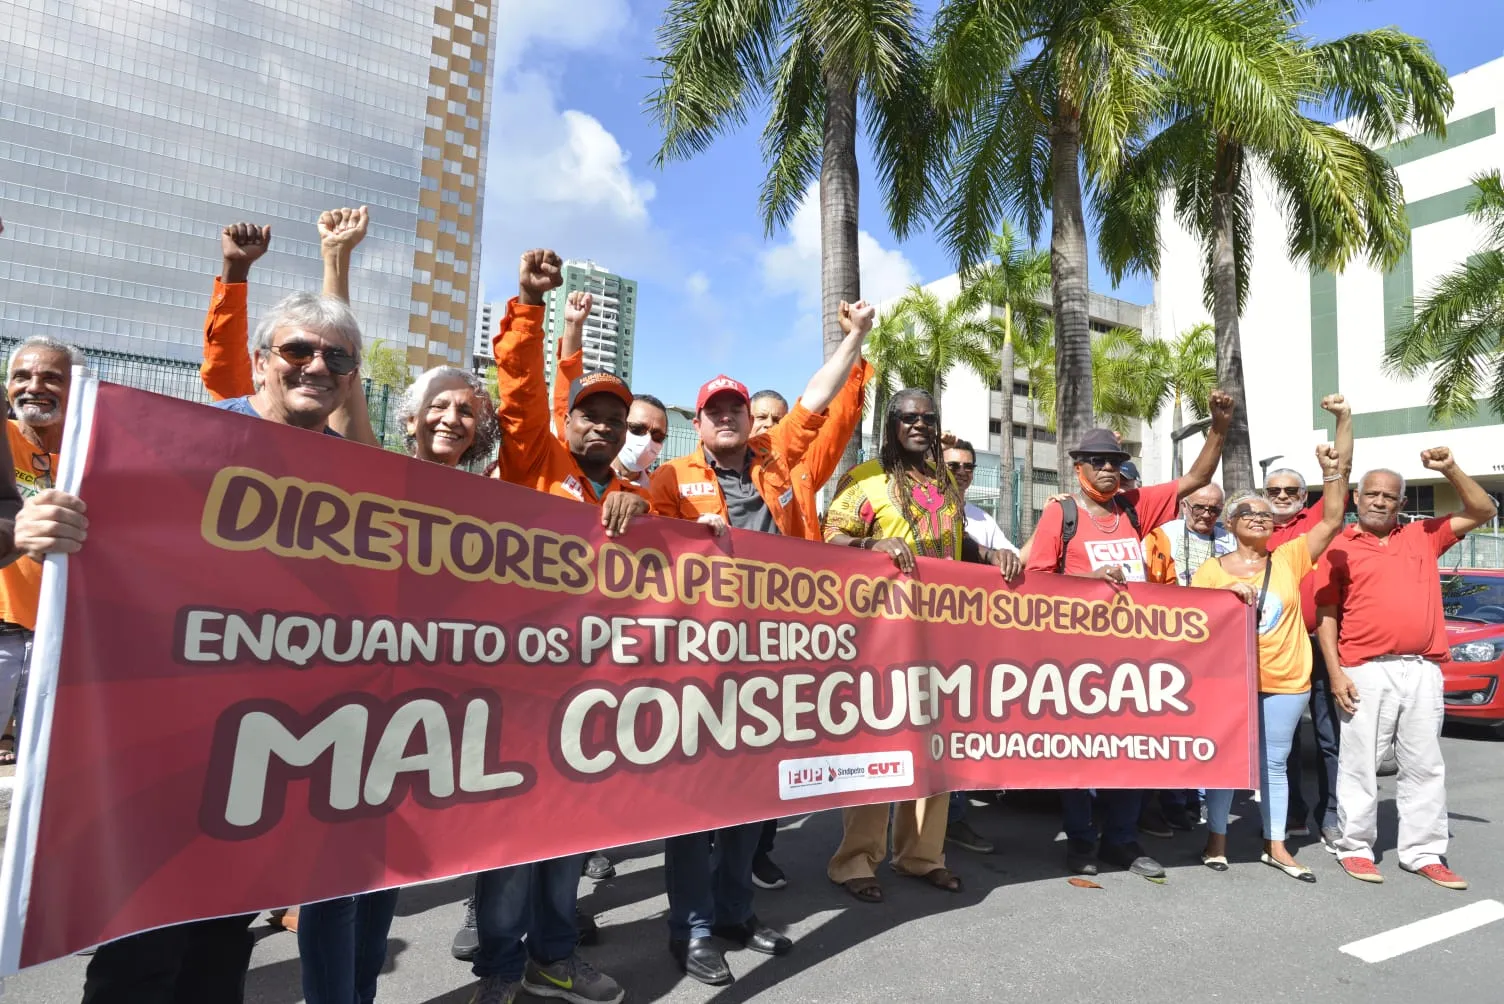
(1348, 619)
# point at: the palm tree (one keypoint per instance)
(1034, 92)
(891, 349)
(809, 61)
(1034, 353)
(936, 338)
(1460, 323)
(1183, 373)
(1341, 198)
(1013, 281)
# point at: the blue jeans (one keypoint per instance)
(1279, 716)
(706, 886)
(526, 910)
(1324, 725)
(342, 945)
(1119, 815)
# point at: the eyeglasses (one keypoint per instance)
(1097, 461)
(960, 465)
(1291, 492)
(641, 429)
(301, 353)
(1206, 510)
(1254, 516)
(915, 417)
(41, 466)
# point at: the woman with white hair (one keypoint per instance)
(1269, 581)
(448, 418)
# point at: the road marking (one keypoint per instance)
(1425, 932)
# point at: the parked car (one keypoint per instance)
(1473, 600)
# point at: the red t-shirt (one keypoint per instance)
(1111, 543)
(1299, 525)
(1387, 592)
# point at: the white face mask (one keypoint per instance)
(638, 453)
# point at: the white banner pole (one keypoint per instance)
(34, 742)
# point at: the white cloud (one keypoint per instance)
(794, 266)
(581, 26)
(698, 284)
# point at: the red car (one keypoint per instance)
(1473, 599)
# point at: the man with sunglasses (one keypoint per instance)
(1098, 533)
(743, 481)
(37, 382)
(304, 357)
(1286, 491)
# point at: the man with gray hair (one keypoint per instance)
(1382, 632)
(37, 382)
(305, 355)
(304, 359)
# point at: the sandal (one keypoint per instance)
(868, 890)
(1217, 862)
(941, 878)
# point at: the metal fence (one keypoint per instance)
(180, 379)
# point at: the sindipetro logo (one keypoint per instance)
(830, 775)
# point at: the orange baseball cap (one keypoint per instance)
(599, 383)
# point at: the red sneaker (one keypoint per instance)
(1361, 869)
(1442, 876)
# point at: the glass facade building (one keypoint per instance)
(132, 132)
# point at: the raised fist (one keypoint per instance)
(1336, 404)
(243, 243)
(1220, 404)
(577, 307)
(538, 272)
(1438, 459)
(342, 229)
(948, 440)
(1326, 455)
(856, 317)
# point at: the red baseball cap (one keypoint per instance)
(599, 383)
(721, 385)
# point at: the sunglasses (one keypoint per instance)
(915, 417)
(1291, 492)
(301, 353)
(641, 429)
(960, 465)
(41, 466)
(1206, 510)
(1097, 461)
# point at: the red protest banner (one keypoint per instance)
(295, 668)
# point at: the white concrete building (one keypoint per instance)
(1305, 335)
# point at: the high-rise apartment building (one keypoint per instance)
(487, 316)
(133, 131)
(607, 343)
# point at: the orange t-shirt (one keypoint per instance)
(21, 580)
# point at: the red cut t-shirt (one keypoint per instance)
(1299, 525)
(1093, 546)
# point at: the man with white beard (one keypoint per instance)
(37, 382)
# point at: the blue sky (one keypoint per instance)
(570, 167)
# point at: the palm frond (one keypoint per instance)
(793, 139)
(1385, 81)
(1459, 329)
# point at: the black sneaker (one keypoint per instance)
(1177, 817)
(598, 867)
(1080, 857)
(467, 940)
(1150, 821)
(961, 834)
(587, 931)
(766, 874)
(1132, 857)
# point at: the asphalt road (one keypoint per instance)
(1019, 932)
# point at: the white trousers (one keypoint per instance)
(1399, 704)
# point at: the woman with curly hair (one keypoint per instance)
(448, 418)
(907, 505)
